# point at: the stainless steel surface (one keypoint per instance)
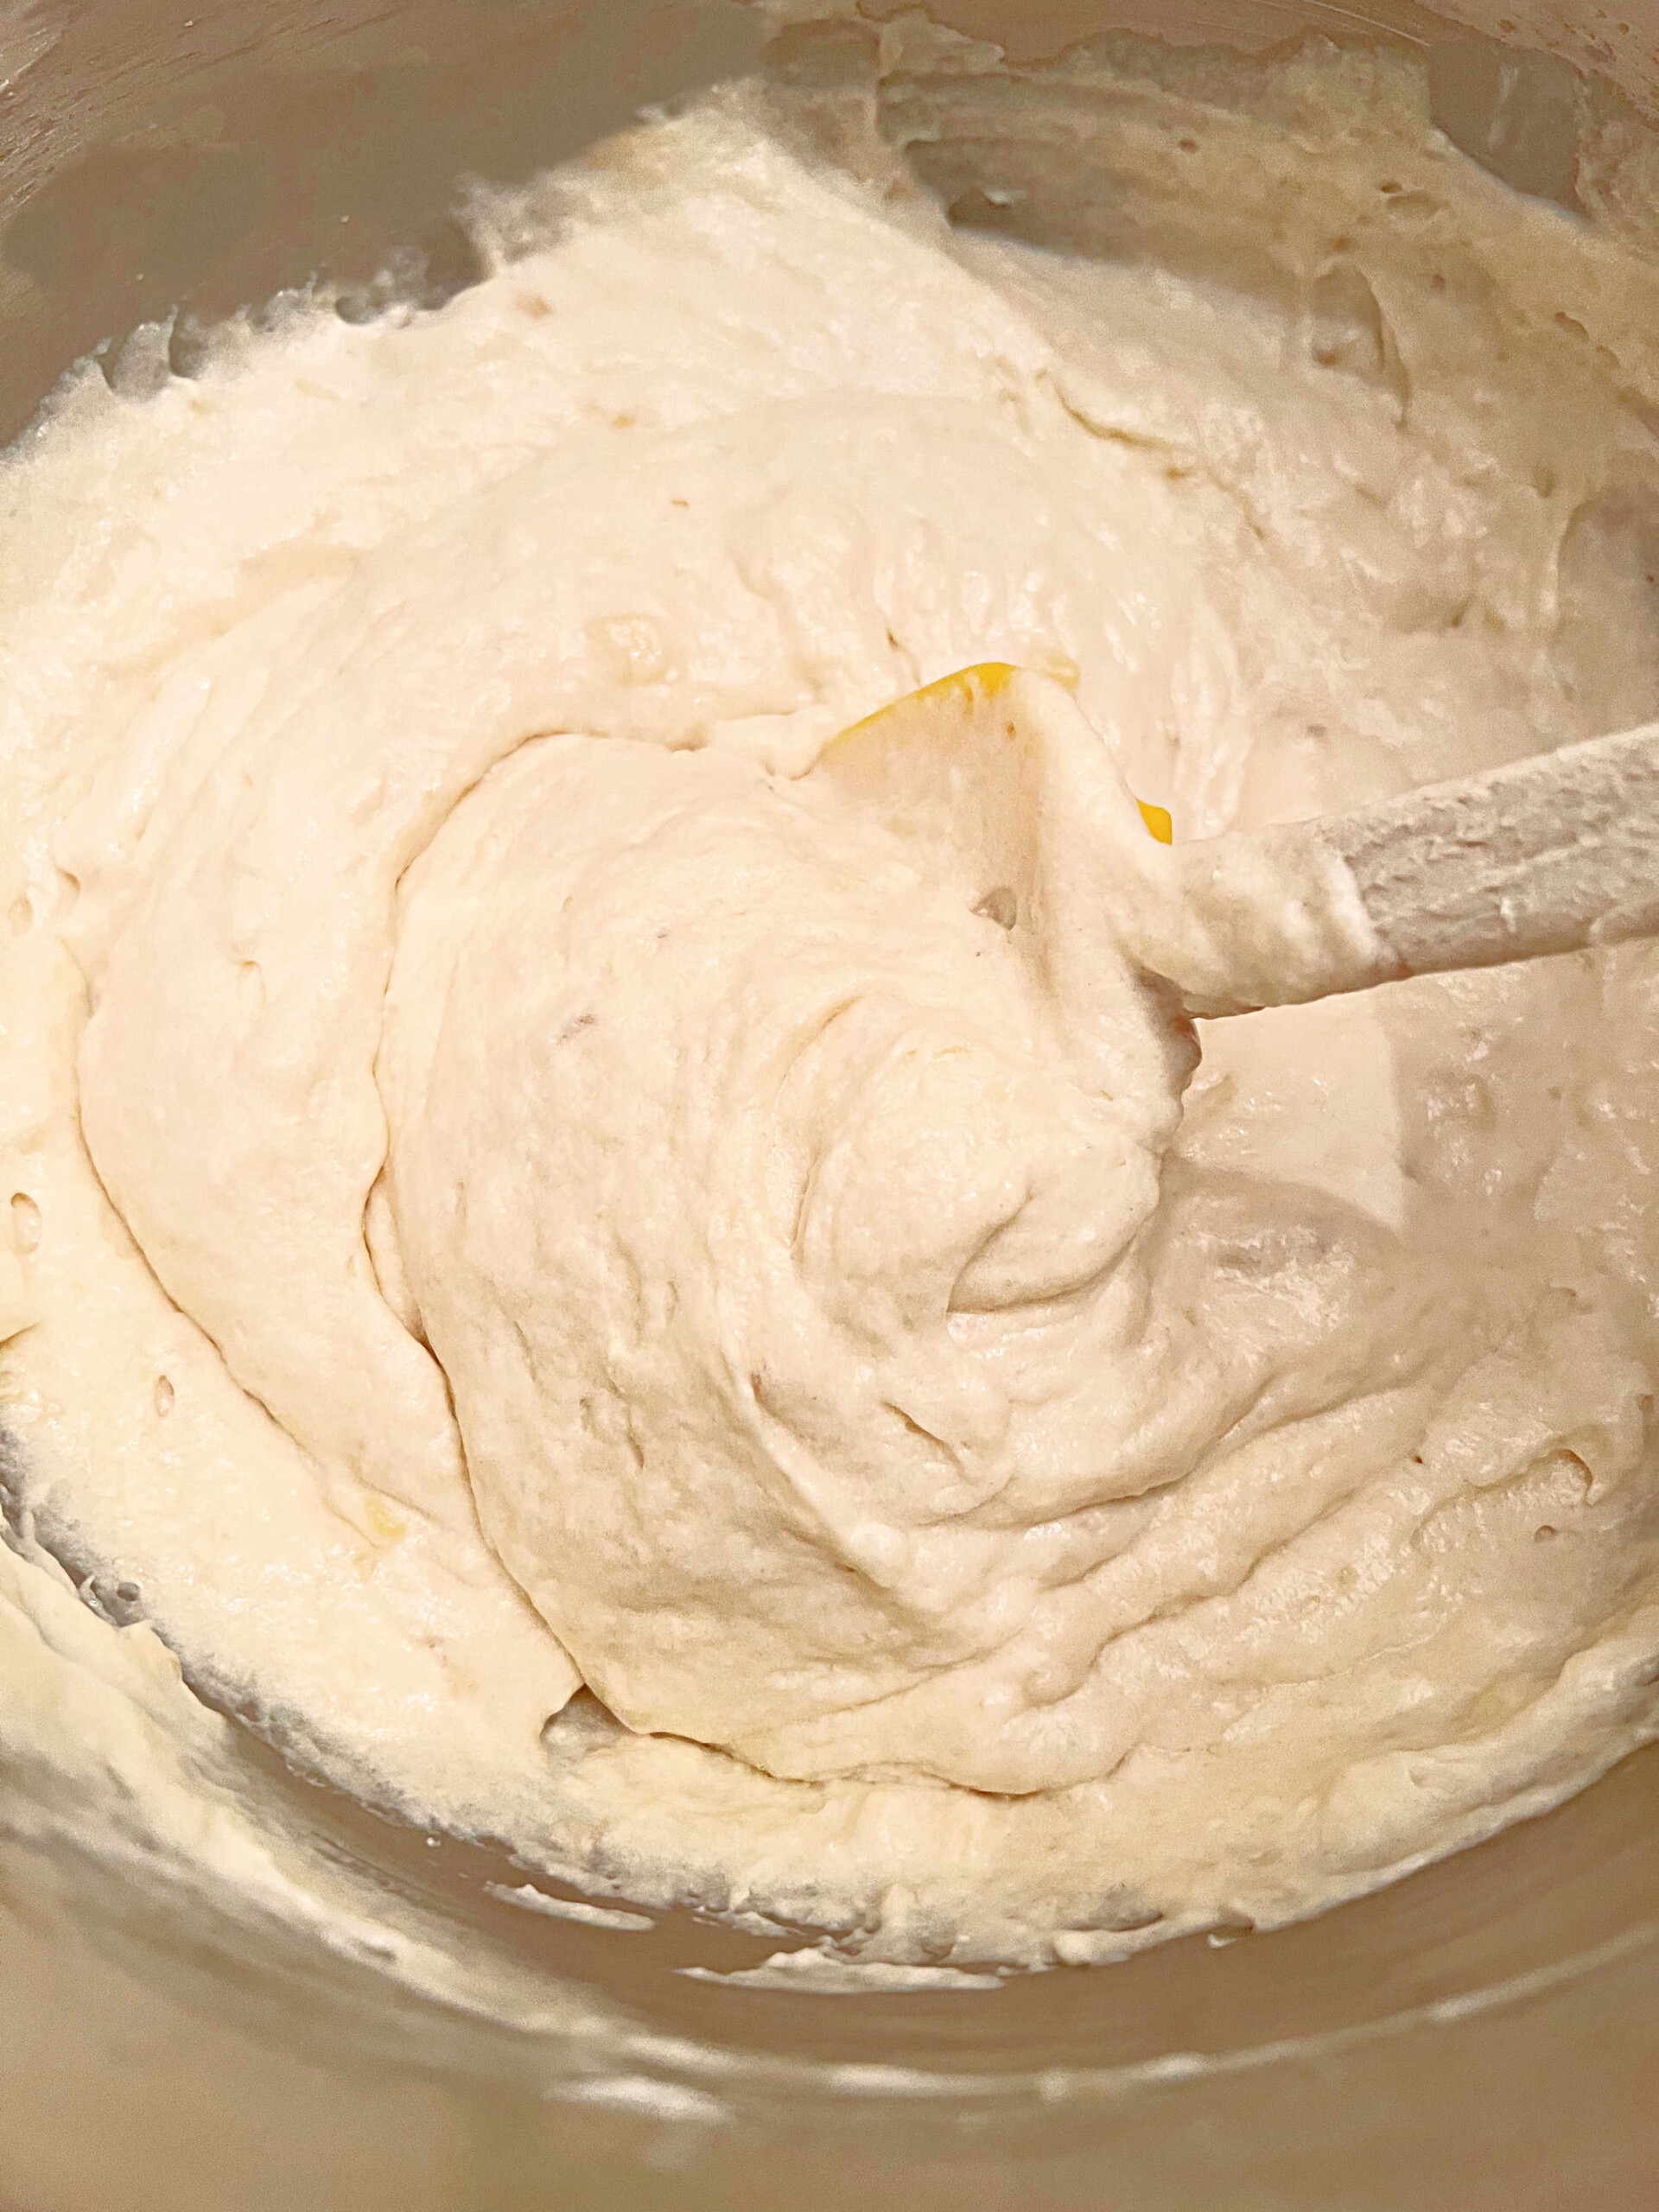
(1485, 2034)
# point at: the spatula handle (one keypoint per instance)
(1547, 855)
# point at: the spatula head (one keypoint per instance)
(957, 758)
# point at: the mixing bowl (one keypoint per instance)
(1485, 2033)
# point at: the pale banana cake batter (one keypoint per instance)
(606, 1299)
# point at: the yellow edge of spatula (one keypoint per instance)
(983, 680)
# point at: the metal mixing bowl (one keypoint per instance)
(1485, 2034)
